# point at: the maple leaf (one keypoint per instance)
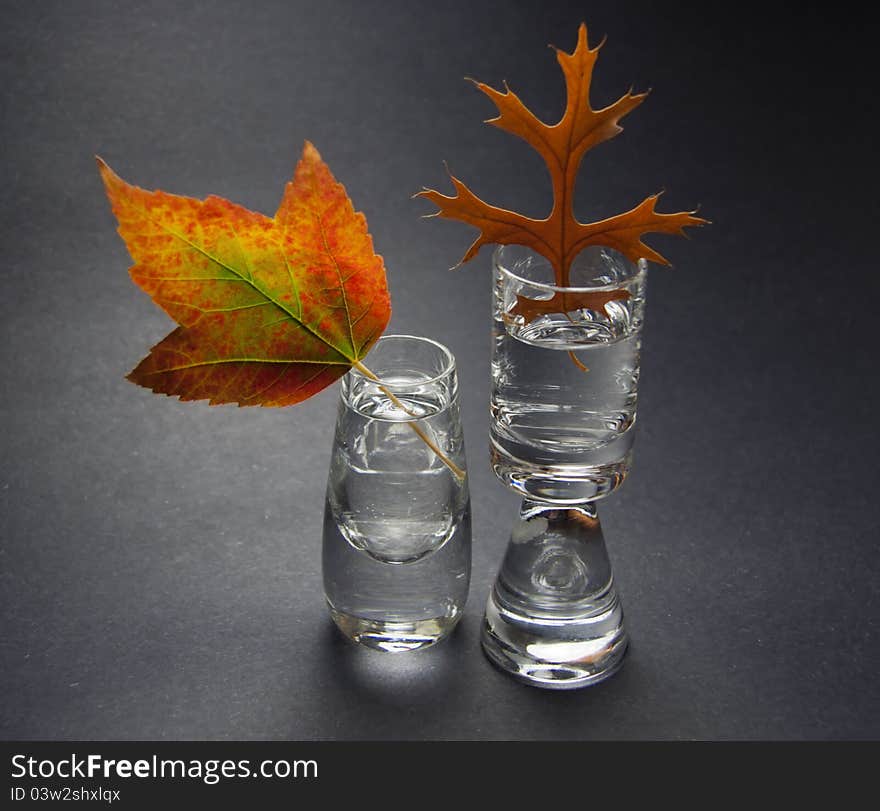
(560, 237)
(271, 310)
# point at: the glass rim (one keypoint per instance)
(497, 262)
(445, 353)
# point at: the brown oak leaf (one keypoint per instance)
(560, 237)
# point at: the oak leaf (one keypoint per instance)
(271, 310)
(560, 237)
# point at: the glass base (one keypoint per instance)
(394, 637)
(554, 618)
(557, 655)
(562, 485)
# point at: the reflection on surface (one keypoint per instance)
(396, 679)
(446, 692)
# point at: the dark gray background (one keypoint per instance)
(160, 561)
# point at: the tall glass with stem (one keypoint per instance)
(397, 528)
(563, 411)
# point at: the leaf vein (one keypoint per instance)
(341, 280)
(146, 214)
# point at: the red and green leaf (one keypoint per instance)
(271, 311)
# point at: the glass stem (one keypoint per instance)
(456, 470)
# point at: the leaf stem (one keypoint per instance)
(574, 358)
(456, 470)
(577, 362)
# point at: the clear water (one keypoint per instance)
(547, 408)
(563, 402)
(396, 557)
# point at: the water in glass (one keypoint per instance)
(396, 556)
(564, 385)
